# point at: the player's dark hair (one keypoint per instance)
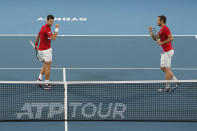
(163, 18)
(50, 17)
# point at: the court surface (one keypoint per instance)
(132, 70)
(98, 49)
(97, 126)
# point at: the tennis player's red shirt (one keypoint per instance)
(45, 40)
(163, 34)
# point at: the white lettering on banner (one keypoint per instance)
(40, 19)
(88, 114)
(89, 110)
(108, 112)
(66, 19)
(74, 105)
(119, 109)
(53, 109)
(86, 110)
(27, 108)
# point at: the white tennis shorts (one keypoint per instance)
(166, 58)
(45, 55)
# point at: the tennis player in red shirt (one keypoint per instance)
(44, 48)
(167, 50)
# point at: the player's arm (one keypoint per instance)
(154, 37)
(152, 34)
(37, 40)
(170, 38)
(53, 37)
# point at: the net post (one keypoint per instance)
(65, 99)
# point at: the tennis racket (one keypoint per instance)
(154, 34)
(36, 51)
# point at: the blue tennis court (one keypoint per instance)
(97, 73)
(105, 126)
(98, 41)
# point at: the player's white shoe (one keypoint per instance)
(39, 80)
(47, 86)
(164, 90)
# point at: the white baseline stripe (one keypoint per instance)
(28, 68)
(128, 68)
(33, 82)
(27, 35)
(97, 68)
(17, 35)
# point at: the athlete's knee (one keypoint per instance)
(163, 69)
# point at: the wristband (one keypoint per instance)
(56, 29)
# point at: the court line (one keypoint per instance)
(32, 82)
(28, 68)
(97, 68)
(29, 35)
(65, 99)
(131, 82)
(98, 82)
(128, 68)
(196, 36)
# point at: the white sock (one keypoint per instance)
(47, 81)
(174, 78)
(167, 85)
(40, 76)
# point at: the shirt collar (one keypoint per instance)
(47, 25)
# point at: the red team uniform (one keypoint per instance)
(167, 49)
(163, 34)
(44, 50)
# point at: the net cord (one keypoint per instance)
(64, 82)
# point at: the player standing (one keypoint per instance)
(167, 50)
(44, 50)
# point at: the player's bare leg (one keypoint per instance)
(47, 74)
(42, 72)
(168, 76)
(47, 70)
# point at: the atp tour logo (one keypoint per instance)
(90, 110)
(53, 109)
(66, 19)
(75, 111)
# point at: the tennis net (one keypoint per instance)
(98, 100)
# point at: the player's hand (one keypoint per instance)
(159, 42)
(36, 48)
(150, 28)
(57, 26)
